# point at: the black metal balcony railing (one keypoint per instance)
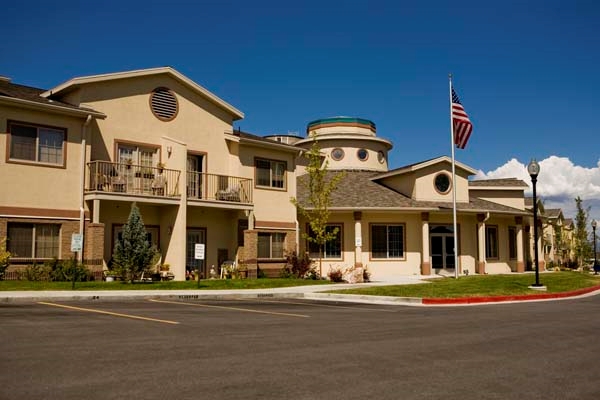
(133, 179)
(203, 186)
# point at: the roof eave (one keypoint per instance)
(81, 112)
(75, 82)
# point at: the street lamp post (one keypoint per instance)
(534, 169)
(594, 223)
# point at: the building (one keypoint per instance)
(75, 157)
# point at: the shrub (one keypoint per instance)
(260, 273)
(297, 266)
(36, 272)
(366, 274)
(336, 274)
(4, 258)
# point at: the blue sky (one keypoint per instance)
(526, 72)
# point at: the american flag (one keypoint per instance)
(462, 125)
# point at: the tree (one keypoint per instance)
(4, 258)
(582, 245)
(133, 253)
(320, 185)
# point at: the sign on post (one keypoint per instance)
(76, 242)
(199, 251)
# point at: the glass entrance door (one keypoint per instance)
(442, 247)
(194, 236)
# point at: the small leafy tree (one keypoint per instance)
(4, 258)
(133, 253)
(582, 245)
(320, 186)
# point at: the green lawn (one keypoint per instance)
(488, 285)
(172, 285)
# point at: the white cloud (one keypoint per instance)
(559, 183)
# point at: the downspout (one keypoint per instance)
(82, 184)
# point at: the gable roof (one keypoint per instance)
(423, 164)
(552, 212)
(79, 81)
(27, 96)
(497, 183)
(358, 190)
(249, 138)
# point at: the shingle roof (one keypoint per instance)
(498, 182)
(22, 92)
(357, 190)
(552, 212)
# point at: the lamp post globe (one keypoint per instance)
(534, 169)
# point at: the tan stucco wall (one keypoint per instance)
(39, 186)
(510, 198)
(425, 189)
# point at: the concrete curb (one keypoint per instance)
(290, 293)
(508, 299)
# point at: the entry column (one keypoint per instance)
(425, 251)
(358, 239)
(520, 258)
(481, 218)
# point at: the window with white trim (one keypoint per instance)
(270, 173)
(137, 155)
(270, 244)
(387, 241)
(36, 143)
(33, 240)
(332, 248)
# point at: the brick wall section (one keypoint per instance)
(270, 268)
(94, 246)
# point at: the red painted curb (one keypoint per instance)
(497, 299)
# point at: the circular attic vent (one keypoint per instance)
(163, 104)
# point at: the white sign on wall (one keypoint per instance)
(76, 242)
(358, 241)
(199, 251)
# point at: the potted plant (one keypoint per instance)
(161, 167)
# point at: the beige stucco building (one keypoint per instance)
(75, 157)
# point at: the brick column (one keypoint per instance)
(250, 251)
(93, 254)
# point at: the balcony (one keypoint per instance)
(132, 179)
(119, 179)
(212, 187)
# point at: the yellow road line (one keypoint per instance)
(231, 308)
(320, 305)
(109, 313)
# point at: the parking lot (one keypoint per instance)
(297, 349)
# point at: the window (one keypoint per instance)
(143, 156)
(33, 240)
(362, 154)
(491, 242)
(270, 173)
(332, 249)
(512, 242)
(387, 241)
(337, 154)
(442, 183)
(36, 143)
(270, 245)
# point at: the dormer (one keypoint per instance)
(430, 180)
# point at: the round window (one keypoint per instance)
(381, 157)
(362, 154)
(337, 154)
(442, 183)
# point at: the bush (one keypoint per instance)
(4, 258)
(35, 272)
(366, 274)
(66, 271)
(296, 266)
(260, 273)
(336, 274)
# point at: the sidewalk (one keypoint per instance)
(304, 292)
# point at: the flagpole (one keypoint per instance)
(453, 182)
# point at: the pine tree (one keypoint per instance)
(582, 245)
(320, 187)
(133, 253)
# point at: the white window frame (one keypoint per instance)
(274, 167)
(34, 240)
(39, 146)
(271, 236)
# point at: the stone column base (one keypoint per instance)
(425, 268)
(481, 267)
(520, 266)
